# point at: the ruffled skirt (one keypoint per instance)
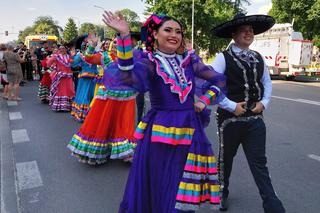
(62, 99)
(84, 95)
(107, 132)
(167, 178)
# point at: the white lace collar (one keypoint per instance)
(166, 55)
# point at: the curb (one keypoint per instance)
(307, 79)
(9, 194)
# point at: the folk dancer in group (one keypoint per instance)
(86, 80)
(107, 132)
(135, 38)
(45, 82)
(174, 168)
(62, 87)
(240, 119)
(107, 46)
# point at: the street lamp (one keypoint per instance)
(104, 28)
(192, 27)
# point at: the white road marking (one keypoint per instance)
(309, 101)
(314, 157)
(15, 115)
(28, 175)
(34, 197)
(12, 103)
(19, 136)
(298, 100)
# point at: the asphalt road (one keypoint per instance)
(38, 175)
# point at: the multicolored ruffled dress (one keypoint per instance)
(62, 87)
(98, 82)
(45, 83)
(85, 88)
(174, 168)
(100, 73)
(107, 131)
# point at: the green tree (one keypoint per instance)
(207, 14)
(46, 25)
(100, 30)
(131, 17)
(27, 31)
(306, 14)
(42, 25)
(86, 28)
(70, 31)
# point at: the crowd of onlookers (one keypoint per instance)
(19, 65)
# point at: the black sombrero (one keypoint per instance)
(259, 23)
(77, 42)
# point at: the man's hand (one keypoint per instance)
(240, 110)
(258, 108)
(199, 106)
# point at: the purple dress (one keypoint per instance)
(174, 168)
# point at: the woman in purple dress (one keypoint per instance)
(174, 168)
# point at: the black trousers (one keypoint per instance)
(29, 70)
(24, 69)
(140, 106)
(252, 135)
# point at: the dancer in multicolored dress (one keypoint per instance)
(174, 168)
(86, 82)
(45, 83)
(107, 132)
(62, 87)
(107, 47)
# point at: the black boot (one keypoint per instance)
(224, 203)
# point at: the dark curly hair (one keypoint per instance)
(153, 23)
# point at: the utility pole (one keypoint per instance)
(104, 27)
(192, 27)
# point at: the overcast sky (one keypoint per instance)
(17, 14)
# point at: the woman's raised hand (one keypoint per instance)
(92, 39)
(116, 22)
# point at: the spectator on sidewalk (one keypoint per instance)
(14, 72)
(3, 70)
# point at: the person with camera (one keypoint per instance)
(239, 116)
(20, 50)
(14, 72)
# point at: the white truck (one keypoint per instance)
(285, 51)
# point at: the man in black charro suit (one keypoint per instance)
(240, 119)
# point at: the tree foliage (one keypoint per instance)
(100, 30)
(306, 14)
(207, 14)
(131, 17)
(46, 25)
(86, 28)
(27, 31)
(70, 31)
(42, 25)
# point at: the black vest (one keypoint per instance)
(243, 81)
